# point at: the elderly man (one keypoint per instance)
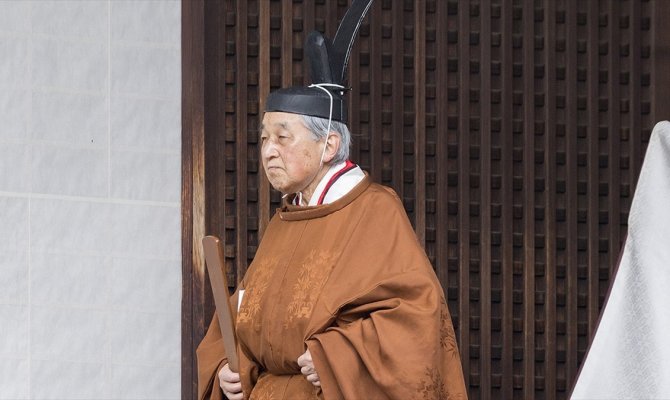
(340, 301)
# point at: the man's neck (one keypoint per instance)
(308, 192)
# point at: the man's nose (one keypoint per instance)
(269, 149)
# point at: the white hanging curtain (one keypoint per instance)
(629, 357)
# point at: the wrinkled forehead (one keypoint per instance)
(273, 121)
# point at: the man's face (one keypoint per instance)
(290, 154)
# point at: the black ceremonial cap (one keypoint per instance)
(328, 64)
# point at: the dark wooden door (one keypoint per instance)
(513, 131)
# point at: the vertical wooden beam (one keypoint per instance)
(287, 43)
(593, 166)
(614, 136)
(635, 96)
(464, 186)
(376, 104)
(263, 91)
(507, 205)
(215, 126)
(241, 248)
(332, 22)
(529, 199)
(485, 204)
(193, 185)
(398, 55)
(550, 201)
(354, 102)
(571, 204)
(420, 120)
(660, 54)
(442, 215)
(308, 16)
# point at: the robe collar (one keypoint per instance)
(337, 182)
(290, 212)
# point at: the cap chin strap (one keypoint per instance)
(323, 86)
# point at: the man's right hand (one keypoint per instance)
(230, 383)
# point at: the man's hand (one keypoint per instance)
(230, 383)
(307, 368)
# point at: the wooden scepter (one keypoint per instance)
(217, 278)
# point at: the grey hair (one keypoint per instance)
(319, 126)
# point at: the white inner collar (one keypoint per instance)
(338, 189)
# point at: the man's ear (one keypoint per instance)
(333, 145)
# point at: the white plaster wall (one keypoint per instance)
(90, 275)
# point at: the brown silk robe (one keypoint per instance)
(350, 282)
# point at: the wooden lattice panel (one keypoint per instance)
(513, 131)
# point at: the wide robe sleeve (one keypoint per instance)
(391, 335)
(395, 341)
(211, 357)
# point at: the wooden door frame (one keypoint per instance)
(202, 35)
(193, 188)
